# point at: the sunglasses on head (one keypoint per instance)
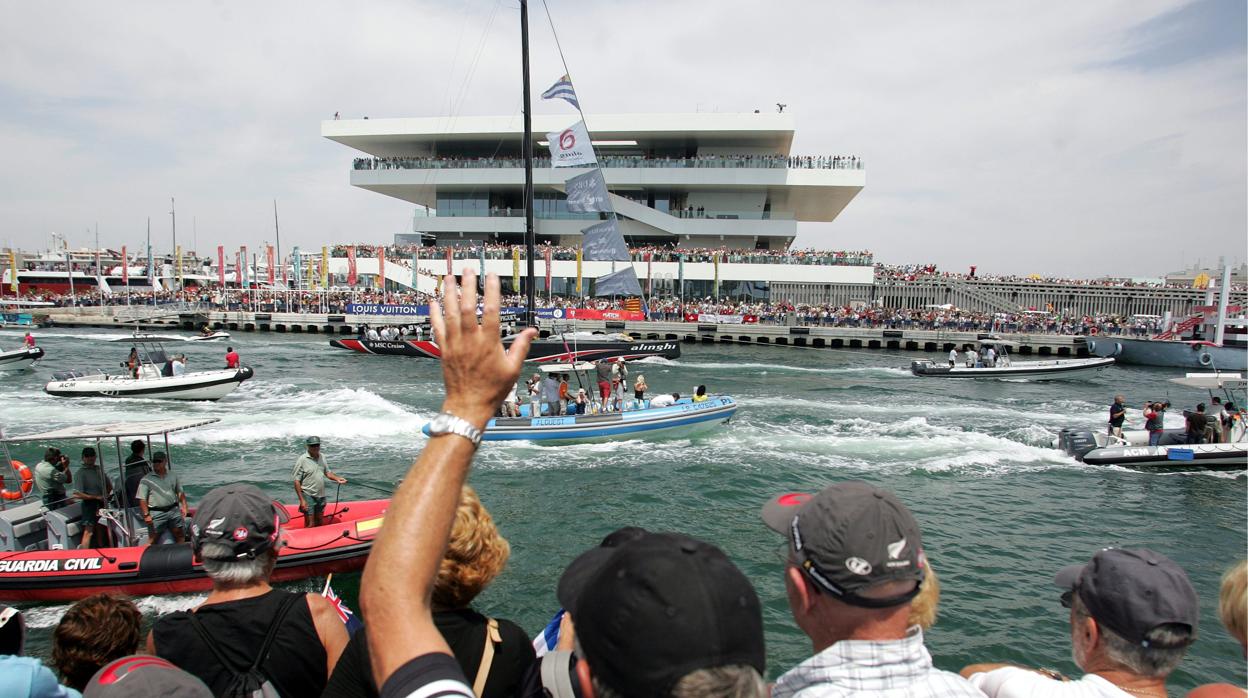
(1067, 598)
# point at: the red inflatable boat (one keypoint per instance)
(37, 562)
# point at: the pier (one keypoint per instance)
(122, 318)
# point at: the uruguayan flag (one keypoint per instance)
(563, 90)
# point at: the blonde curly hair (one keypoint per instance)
(475, 554)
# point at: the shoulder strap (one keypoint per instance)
(208, 641)
(287, 604)
(492, 636)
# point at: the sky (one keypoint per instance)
(1063, 138)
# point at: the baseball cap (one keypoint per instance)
(145, 676)
(1132, 591)
(240, 516)
(657, 606)
(849, 537)
(313, 441)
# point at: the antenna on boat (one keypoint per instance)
(530, 316)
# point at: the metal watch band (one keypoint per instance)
(447, 423)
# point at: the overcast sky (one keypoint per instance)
(1064, 138)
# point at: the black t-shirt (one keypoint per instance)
(514, 671)
(297, 664)
(1196, 422)
(427, 676)
(1117, 413)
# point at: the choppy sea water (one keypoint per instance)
(1001, 511)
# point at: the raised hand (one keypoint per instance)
(476, 369)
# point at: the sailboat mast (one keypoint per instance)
(527, 148)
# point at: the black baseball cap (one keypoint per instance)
(1132, 591)
(658, 606)
(849, 537)
(240, 516)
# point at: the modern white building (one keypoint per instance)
(717, 181)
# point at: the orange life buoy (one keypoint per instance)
(26, 482)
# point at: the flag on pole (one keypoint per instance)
(548, 269)
(450, 262)
(515, 270)
(312, 273)
(415, 270)
(285, 274)
(381, 268)
(562, 89)
(297, 265)
(13, 270)
(220, 265)
(125, 270)
(324, 266)
(571, 147)
(351, 277)
(344, 614)
(268, 260)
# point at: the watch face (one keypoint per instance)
(440, 423)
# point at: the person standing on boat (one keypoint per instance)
(29, 341)
(563, 393)
(1154, 422)
(971, 357)
(1117, 414)
(990, 357)
(953, 358)
(51, 474)
(94, 490)
(311, 472)
(162, 501)
(535, 395)
(550, 395)
(639, 390)
(132, 362)
(1196, 423)
(603, 370)
(136, 467)
(231, 358)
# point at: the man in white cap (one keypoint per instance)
(1133, 614)
(310, 473)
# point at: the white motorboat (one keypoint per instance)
(19, 359)
(213, 337)
(152, 379)
(148, 337)
(1005, 367)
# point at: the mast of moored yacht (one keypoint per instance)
(526, 145)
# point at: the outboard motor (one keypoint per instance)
(1078, 442)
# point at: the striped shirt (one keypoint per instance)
(893, 669)
(428, 676)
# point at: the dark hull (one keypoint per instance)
(543, 351)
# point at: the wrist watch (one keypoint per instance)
(447, 423)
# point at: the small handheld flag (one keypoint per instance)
(345, 614)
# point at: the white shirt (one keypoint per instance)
(179, 368)
(662, 400)
(1014, 682)
(372, 334)
(893, 669)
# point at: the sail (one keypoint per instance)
(603, 242)
(587, 193)
(618, 283)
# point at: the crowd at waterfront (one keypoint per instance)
(743, 161)
(476, 251)
(643, 613)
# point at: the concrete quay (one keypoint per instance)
(122, 318)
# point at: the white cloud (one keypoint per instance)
(1000, 134)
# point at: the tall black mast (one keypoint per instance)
(530, 241)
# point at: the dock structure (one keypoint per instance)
(1039, 344)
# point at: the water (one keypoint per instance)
(1000, 510)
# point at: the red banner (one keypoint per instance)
(238, 269)
(351, 278)
(691, 317)
(221, 265)
(125, 268)
(381, 268)
(591, 314)
(548, 268)
(268, 255)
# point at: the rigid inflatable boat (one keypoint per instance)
(149, 379)
(19, 359)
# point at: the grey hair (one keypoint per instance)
(242, 571)
(1152, 662)
(731, 681)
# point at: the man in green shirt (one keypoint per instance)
(94, 489)
(51, 474)
(162, 501)
(310, 473)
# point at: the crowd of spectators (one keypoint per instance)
(750, 161)
(475, 251)
(642, 613)
(919, 272)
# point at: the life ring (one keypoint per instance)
(25, 478)
(1206, 358)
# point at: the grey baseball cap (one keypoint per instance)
(849, 537)
(1132, 591)
(144, 675)
(240, 516)
(313, 441)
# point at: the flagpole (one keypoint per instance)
(530, 240)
